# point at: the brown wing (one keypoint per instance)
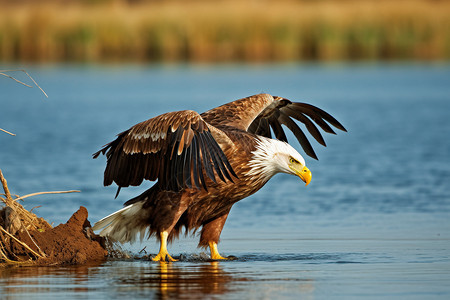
(173, 148)
(259, 114)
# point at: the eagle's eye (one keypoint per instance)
(292, 160)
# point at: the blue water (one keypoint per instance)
(373, 223)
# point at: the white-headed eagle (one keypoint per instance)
(203, 164)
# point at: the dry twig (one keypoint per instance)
(6, 189)
(44, 193)
(20, 242)
(3, 73)
(7, 131)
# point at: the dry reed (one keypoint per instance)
(226, 30)
(19, 219)
(4, 73)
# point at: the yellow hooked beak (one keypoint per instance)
(305, 175)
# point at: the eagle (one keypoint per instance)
(203, 164)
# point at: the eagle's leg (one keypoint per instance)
(163, 253)
(174, 213)
(211, 233)
(214, 252)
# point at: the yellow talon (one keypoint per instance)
(162, 257)
(214, 252)
(163, 253)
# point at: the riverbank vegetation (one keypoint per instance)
(227, 30)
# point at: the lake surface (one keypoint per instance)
(373, 223)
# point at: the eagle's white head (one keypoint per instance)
(273, 156)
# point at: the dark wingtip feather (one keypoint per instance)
(312, 129)
(102, 151)
(118, 191)
(326, 116)
(301, 137)
(278, 130)
(310, 151)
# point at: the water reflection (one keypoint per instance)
(182, 281)
(116, 278)
(263, 275)
(33, 280)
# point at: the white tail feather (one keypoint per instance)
(123, 225)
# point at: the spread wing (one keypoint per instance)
(173, 148)
(259, 114)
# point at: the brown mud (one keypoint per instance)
(27, 239)
(71, 243)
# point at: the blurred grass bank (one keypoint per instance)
(226, 30)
